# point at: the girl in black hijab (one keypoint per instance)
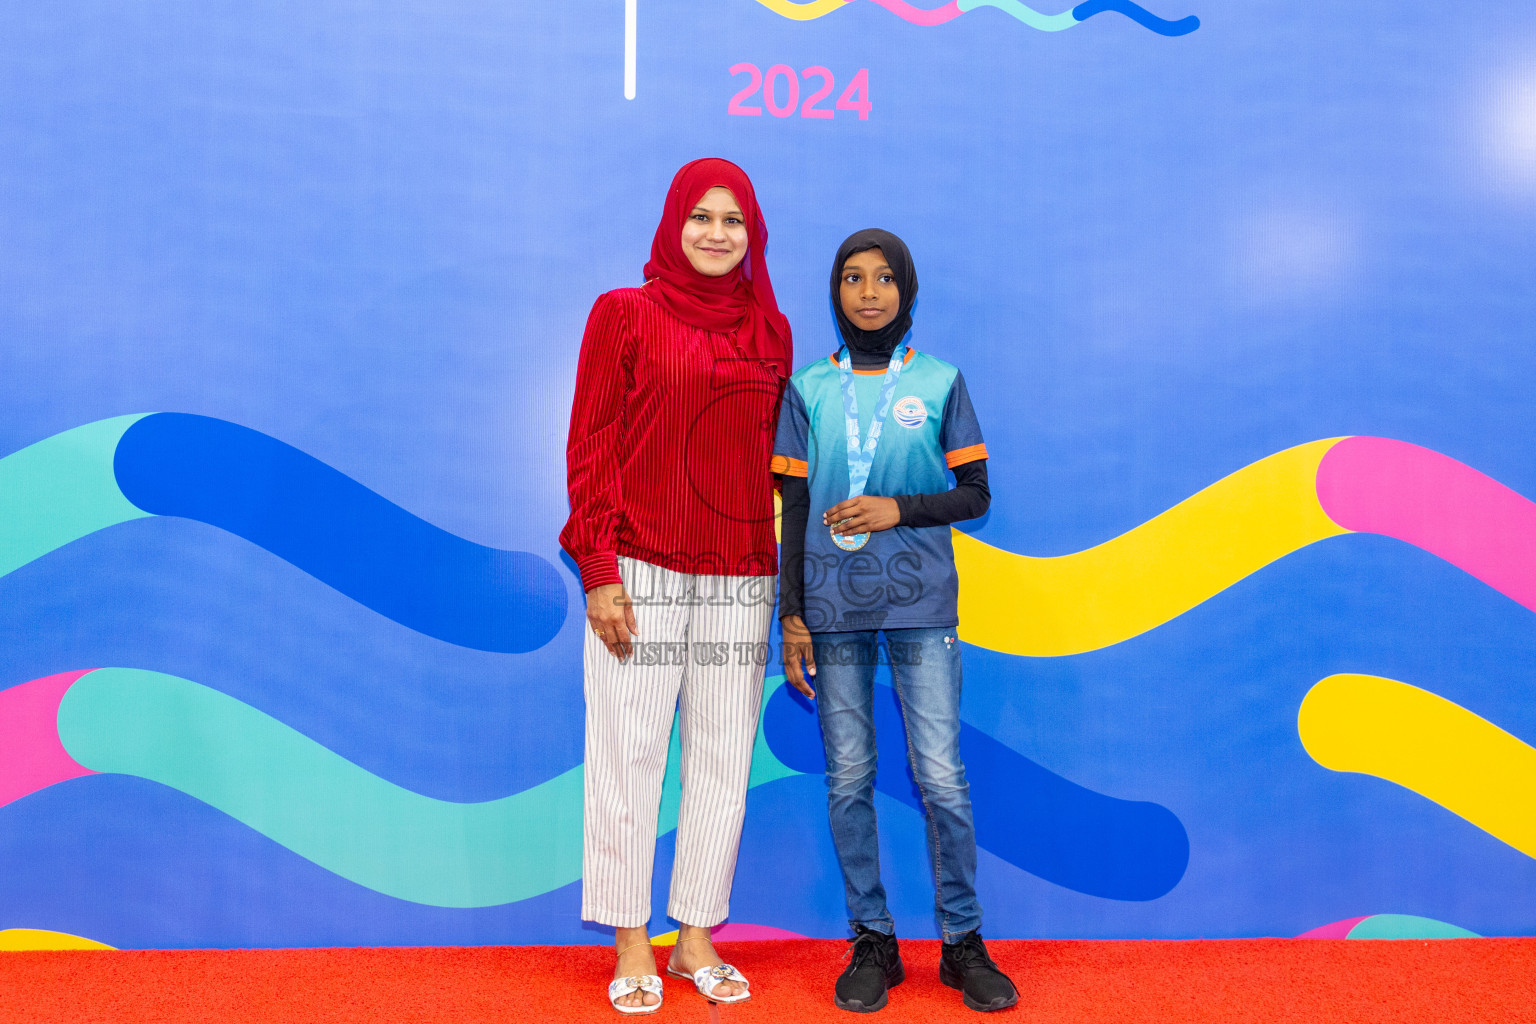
(870, 434)
(871, 350)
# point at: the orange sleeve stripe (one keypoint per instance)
(960, 456)
(788, 467)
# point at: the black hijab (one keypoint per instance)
(868, 349)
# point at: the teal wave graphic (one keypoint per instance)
(1028, 15)
(328, 810)
(61, 489)
(1407, 926)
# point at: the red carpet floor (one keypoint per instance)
(1333, 981)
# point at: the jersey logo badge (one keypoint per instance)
(910, 412)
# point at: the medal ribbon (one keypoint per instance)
(862, 456)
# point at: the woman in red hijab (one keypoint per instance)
(671, 528)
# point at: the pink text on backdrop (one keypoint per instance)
(781, 82)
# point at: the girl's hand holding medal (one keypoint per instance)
(864, 514)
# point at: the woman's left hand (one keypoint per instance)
(864, 514)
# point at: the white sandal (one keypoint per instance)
(706, 978)
(618, 988)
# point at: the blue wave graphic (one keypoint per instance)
(1140, 15)
(1025, 814)
(332, 527)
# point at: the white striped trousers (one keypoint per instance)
(718, 687)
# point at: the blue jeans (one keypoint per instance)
(925, 665)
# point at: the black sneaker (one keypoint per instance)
(965, 965)
(875, 967)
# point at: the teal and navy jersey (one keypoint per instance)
(904, 577)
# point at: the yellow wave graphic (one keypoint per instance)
(802, 12)
(21, 939)
(1423, 742)
(1068, 604)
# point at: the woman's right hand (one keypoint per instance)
(797, 645)
(612, 618)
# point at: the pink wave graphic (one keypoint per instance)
(919, 15)
(750, 933)
(31, 756)
(1336, 930)
(1377, 485)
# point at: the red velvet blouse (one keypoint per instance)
(667, 460)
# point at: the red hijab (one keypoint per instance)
(741, 301)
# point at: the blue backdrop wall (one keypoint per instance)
(282, 284)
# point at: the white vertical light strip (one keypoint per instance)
(629, 47)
